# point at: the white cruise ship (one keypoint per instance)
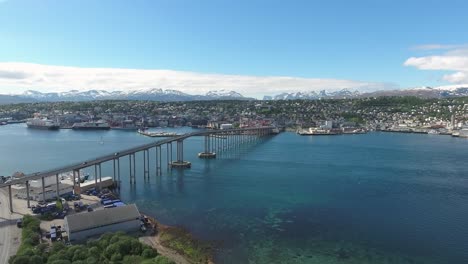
(42, 124)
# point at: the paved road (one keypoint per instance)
(9, 233)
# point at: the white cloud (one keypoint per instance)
(455, 60)
(16, 77)
(438, 47)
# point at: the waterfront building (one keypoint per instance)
(81, 226)
(36, 191)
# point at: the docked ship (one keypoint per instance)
(42, 124)
(157, 134)
(93, 125)
(317, 132)
(127, 125)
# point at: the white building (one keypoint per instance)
(226, 126)
(81, 226)
(35, 191)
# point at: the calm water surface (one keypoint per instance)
(374, 198)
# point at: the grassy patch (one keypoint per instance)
(184, 243)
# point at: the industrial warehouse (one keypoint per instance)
(81, 226)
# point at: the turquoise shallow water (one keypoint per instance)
(374, 198)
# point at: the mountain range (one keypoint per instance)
(144, 94)
(422, 92)
(156, 94)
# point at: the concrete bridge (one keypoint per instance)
(215, 141)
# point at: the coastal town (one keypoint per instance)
(447, 116)
(72, 209)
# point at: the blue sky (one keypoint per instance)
(358, 44)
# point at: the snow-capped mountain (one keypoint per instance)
(152, 94)
(312, 95)
(157, 94)
(224, 94)
(423, 92)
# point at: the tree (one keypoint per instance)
(60, 261)
(91, 260)
(132, 259)
(111, 250)
(148, 253)
(94, 251)
(57, 247)
(36, 259)
(116, 257)
(20, 260)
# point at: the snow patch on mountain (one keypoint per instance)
(155, 94)
(224, 93)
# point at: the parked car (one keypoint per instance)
(19, 223)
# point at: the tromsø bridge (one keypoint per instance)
(215, 141)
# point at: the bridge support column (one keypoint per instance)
(118, 173)
(131, 158)
(158, 160)
(180, 163)
(113, 170)
(10, 198)
(146, 164)
(76, 181)
(169, 155)
(100, 177)
(95, 176)
(207, 154)
(27, 194)
(43, 189)
(57, 185)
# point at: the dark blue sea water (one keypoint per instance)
(374, 198)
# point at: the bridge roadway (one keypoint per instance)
(119, 154)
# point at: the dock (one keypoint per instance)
(157, 134)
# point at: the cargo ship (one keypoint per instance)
(97, 125)
(42, 124)
(126, 125)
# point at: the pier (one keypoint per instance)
(215, 141)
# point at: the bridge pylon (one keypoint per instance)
(180, 163)
(209, 151)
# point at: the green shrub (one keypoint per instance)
(110, 248)
(36, 259)
(60, 261)
(149, 253)
(20, 260)
(116, 257)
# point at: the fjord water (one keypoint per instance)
(373, 198)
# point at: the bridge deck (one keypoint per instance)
(119, 154)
